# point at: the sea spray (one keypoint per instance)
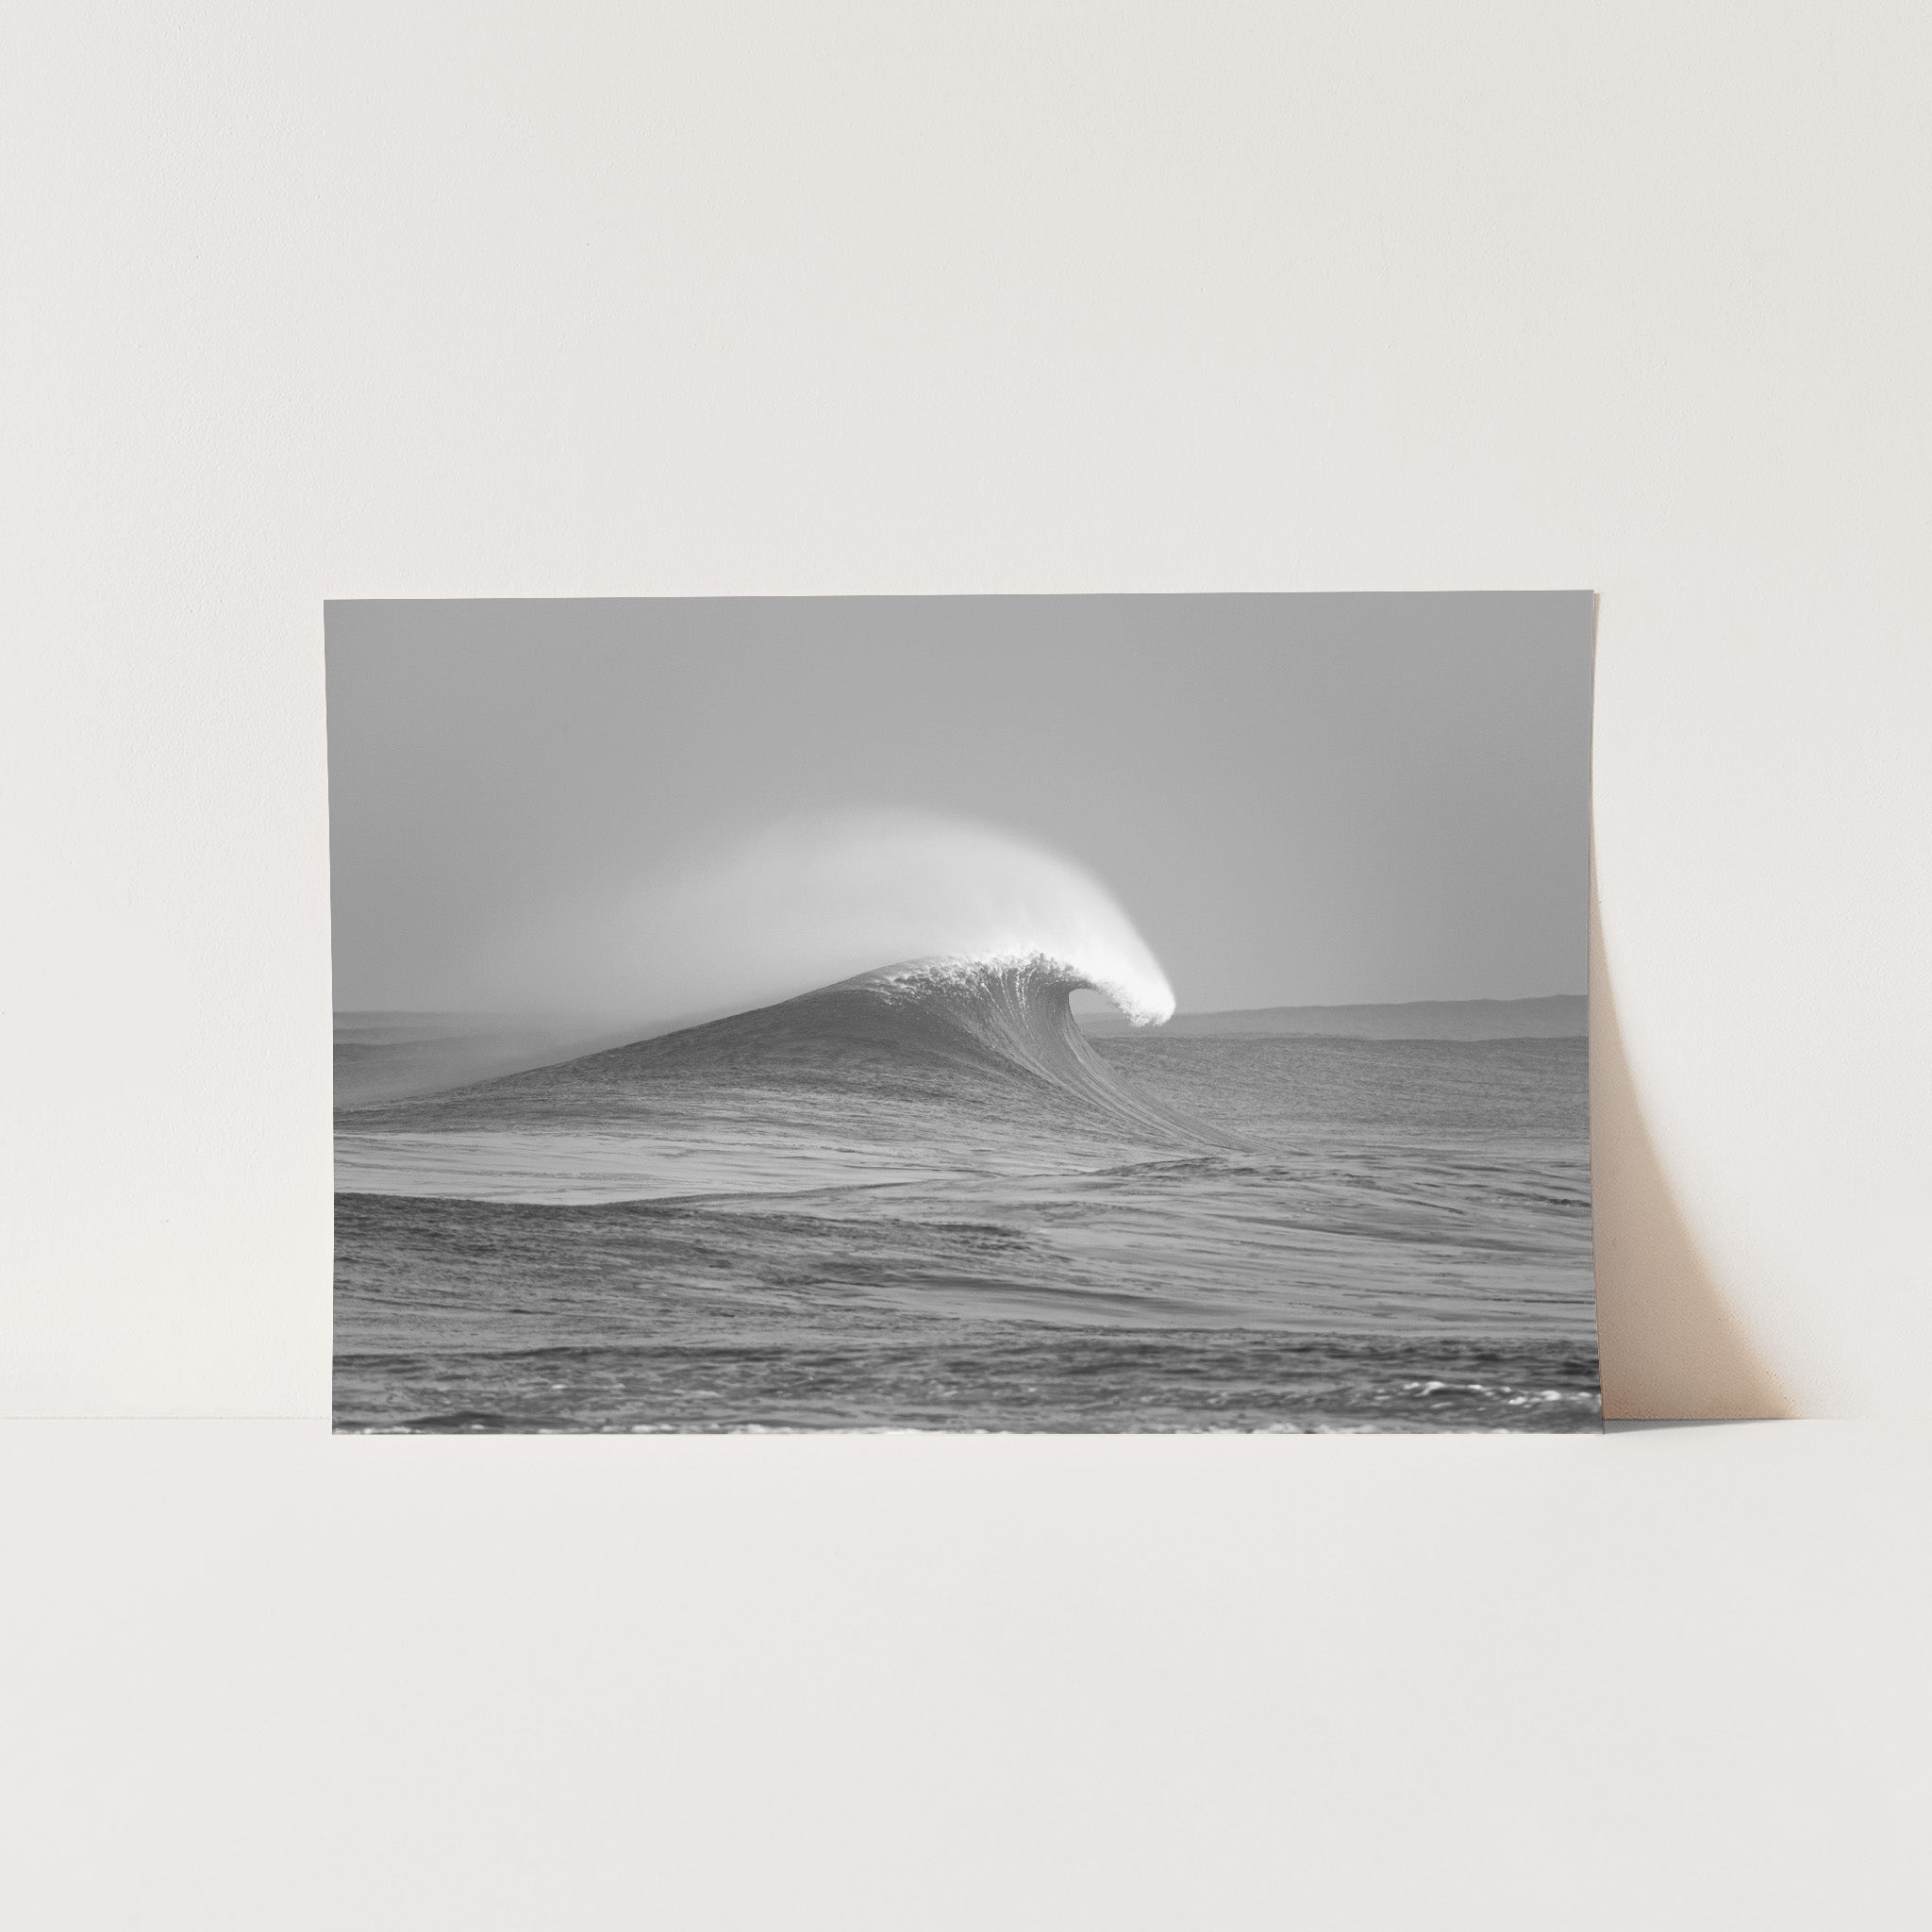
(816, 900)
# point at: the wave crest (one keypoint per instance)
(1023, 977)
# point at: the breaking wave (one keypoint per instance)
(929, 1031)
(967, 1060)
(964, 1056)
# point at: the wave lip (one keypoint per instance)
(1017, 1011)
(1022, 985)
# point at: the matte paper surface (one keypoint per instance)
(1060, 1013)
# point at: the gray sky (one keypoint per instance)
(1297, 799)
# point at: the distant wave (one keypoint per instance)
(813, 902)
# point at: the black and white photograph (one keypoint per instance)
(968, 968)
(981, 1014)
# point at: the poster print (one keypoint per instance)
(1110, 1014)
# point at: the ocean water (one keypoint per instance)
(924, 1199)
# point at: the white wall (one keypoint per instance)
(332, 301)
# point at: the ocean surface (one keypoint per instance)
(925, 1199)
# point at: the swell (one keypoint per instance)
(993, 1040)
